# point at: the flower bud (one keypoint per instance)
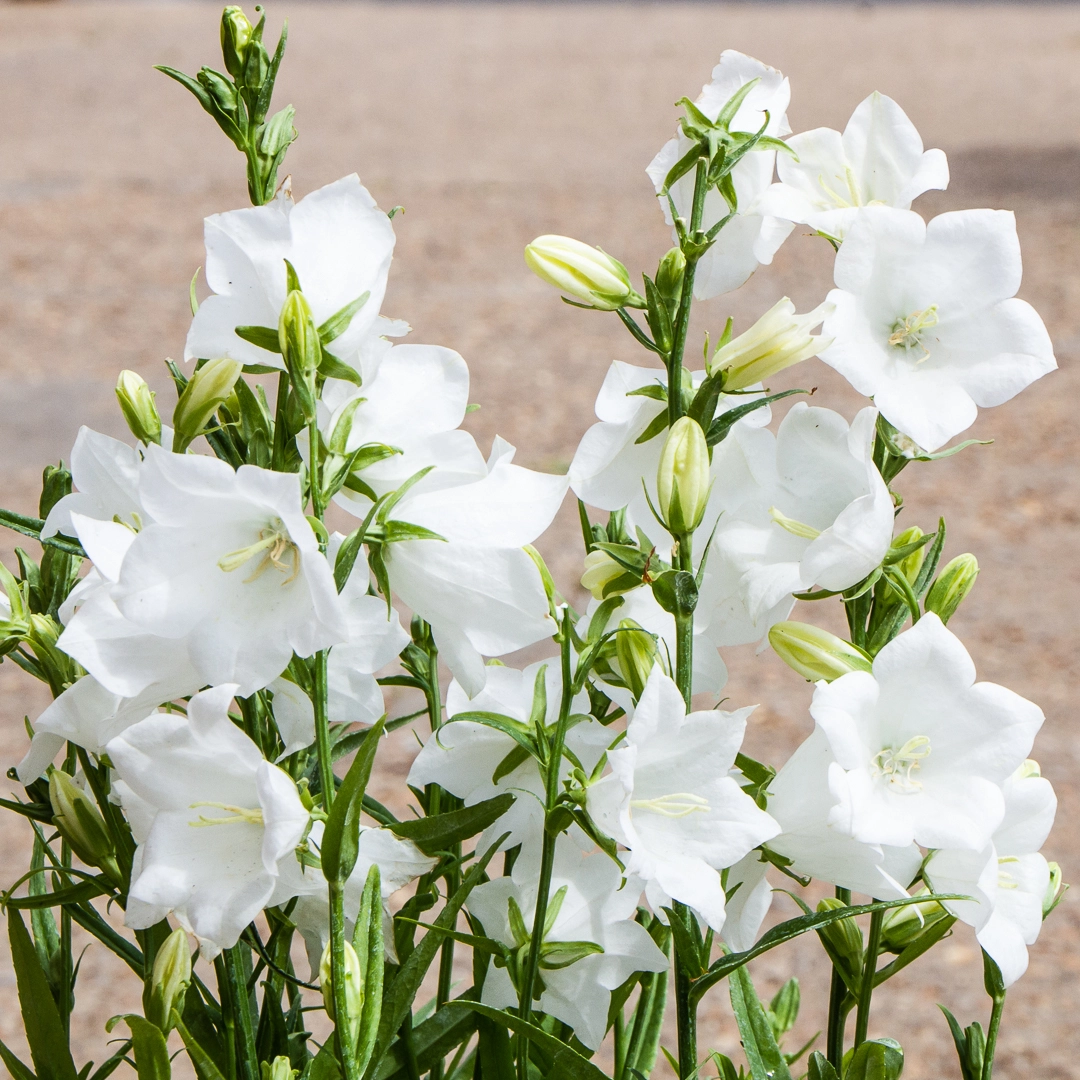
(80, 823)
(235, 36)
(300, 346)
(354, 990)
(911, 564)
(779, 339)
(280, 1069)
(582, 271)
(682, 480)
(635, 653)
(220, 89)
(904, 926)
(952, 586)
(815, 653)
(844, 939)
(601, 572)
(1054, 890)
(205, 391)
(137, 404)
(669, 276)
(169, 980)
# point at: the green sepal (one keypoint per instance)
(330, 367)
(339, 322)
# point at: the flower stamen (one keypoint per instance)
(896, 766)
(907, 333)
(275, 544)
(239, 815)
(678, 804)
(796, 528)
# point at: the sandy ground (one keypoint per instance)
(491, 125)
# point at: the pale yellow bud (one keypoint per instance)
(354, 990)
(636, 654)
(137, 404)
(80, 823)
(815, 653)
(682, 480)
(600, 571)
(903, 926)
(170, 979)
(779, 339)
(953, 584)
(207, 389)
(581, 271)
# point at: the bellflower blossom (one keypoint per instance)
(670, 800)
(593, 908)
(219, 820)
(1008, 880)
(927, 322)
(878, 161)
(921, 748)
(338, 241)
(753, 236)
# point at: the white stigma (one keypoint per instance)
(896, 766)
(238, 815)
(678, 804)
(907, 333)
(277, 550)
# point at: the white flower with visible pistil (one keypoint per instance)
(1009, 878)
(753, 236)
(587, 905)
(878, 161)
(670, 800)
(338, 241)
(921, 748)
(927, 322)
(213, 817)
(230, 570)
(476, 762)
(821, 515)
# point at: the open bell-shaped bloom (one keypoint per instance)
(338, 241)
(670, 800)
(476, 762)
(922, 749)
(1007, 880)
(926, 319)
(592, 905)
(753, 236)
(878, 161)
(230, 570)
(822, 514)
(215, 820)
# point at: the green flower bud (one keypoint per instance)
(169, 980)
(601, 574)
(636, 654)
(55, 484)
(682, 480)
(587, 273)
(815, 653)
(911, 564)
(669, 277)
(1055, 890)
(904, 926)
(952, 586)
(235, 37)
(204, 393)
(220, 89)
(280, 1069)
(300, 346)
(354, 990)
(779, 339)
(80, 823)
(137, 404)
(845, 940)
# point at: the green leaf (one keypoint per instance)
(820, 1068)
(493, 1050)
(151, 1053)
(41, 1021)
(341, 838)
(331, 367)
(876, 1059)
(206, 1068)
(506, 724)
(193, 85)
(657, 425)
(555, 955)
(731, 106)
(29, 526)
(368, 945)
(72, 894)
(762, 1054)
(440, 832)
(569, 1061)
(676, 592)
(14, 1066)
(339, 322)
(396, 531)
(719, 428)
(431, 1041)
(347, 555)
(262, 337)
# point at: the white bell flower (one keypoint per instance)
(749, 904)
(927, 322)
(338, 241)
(670, 800)
(753, 236)
(921, 748)
(1008, 880)
(231, 568)
(878, 161)
(592, 908)
(802, 803)
(467, 758)
(479, 590)
(822, 514)
(223, 820)
(105, 474)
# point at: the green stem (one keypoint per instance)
(240, 1007)
(318, 507)
(834, 1048)
(345, 1044)
(997, 996)
(547, 855)
(281, 425)
(866, 984)
(322, 731)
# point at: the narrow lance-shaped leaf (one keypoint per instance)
(762, 1054)
(438, 833)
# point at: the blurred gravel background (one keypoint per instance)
(491, 124)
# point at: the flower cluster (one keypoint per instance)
(224, 649)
